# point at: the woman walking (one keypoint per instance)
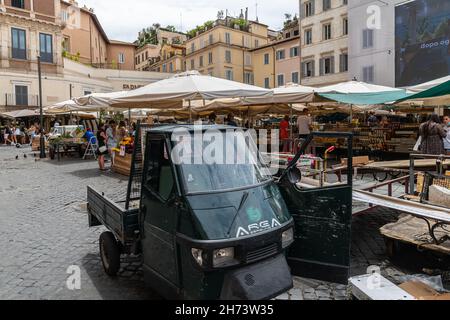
(432, 134)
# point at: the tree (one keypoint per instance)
(149, 35)
(220, 15)
(171, 28)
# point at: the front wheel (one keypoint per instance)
(109, 253)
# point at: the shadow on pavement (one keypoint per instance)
(127, 285)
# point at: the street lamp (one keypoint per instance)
(41, 115)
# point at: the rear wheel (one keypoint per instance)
(110, 253)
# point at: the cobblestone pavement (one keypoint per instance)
(44, 230)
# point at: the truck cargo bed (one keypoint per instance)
(103, 211)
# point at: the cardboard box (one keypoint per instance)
(422, 291)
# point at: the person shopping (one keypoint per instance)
(102, 148)
(432, 134)
(447, 138)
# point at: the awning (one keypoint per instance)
(366, 98)
(441, 91)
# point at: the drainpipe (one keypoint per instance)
(90, 38)
(274, 67)
(300, 74)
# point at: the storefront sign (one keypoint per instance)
(132, 86)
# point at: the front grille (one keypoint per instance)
(262, 253)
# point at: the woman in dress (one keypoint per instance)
(102, 148)
(432, 134)
(111, 134)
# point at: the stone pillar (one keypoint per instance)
(33, 45)
(4, 43)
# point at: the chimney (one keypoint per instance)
(246, 14)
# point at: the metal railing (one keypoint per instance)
(113, 66)
(21, 100)
(26, 56)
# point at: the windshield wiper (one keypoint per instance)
(243, 200)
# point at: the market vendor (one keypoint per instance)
(284, 133)
(89, 135)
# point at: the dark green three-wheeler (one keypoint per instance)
(221, 231)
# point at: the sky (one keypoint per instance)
(122, 20)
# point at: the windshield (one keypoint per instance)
(218, 160)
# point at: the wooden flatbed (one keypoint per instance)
(413, 230)
(404, 164)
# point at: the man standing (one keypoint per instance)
(304, 123)
(447, 138)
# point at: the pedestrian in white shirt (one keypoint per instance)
(304, 123)
(447, 138)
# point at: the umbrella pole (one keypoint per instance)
(291, 125)
(190, 112)
(351, 113)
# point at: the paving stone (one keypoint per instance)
(45, 201)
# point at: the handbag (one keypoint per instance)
(418, 143)
(102, 149)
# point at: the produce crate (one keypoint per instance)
(36, 144)
(122, 165)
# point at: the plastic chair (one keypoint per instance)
(91, 149)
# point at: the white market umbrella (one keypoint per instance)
(68, 106)
(21, 114)
(101, 100)
(292, 93)
(350, 87)
(186, 86)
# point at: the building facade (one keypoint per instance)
(224, 50)
(85, 40)
(277, 63)
(32, 28)
(399, 43)
(28, 29)
(170, 60)
(372, 50)
(144, 55)
(324, 47)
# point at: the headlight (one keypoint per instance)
(198, 256)
(223, 257)
(287, 237)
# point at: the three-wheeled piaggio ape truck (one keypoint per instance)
(222, 231)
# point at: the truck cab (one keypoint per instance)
(212, 228)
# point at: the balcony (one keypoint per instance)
(111, 66)
(25, 56)
(21, 100)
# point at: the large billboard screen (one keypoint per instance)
(422, 36)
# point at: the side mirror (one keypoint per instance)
(294, 175)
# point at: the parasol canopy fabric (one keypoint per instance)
(26, 113)
(361, 93)
(186, 86)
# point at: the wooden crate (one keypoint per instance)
(36, 144)
(357, 161)
(122, 165)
